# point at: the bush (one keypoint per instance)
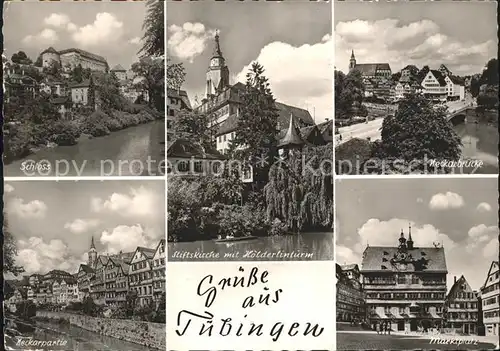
(63, 133)
(26, 309)
(95, 125)
(278, 228)
(241, 221)
(17, 141)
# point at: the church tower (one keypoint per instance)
(352, 61)
(92, 254)
(218, 72)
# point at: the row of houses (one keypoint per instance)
(405, 285)
(107, 279)
(438, 85)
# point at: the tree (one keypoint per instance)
(490, 74)
(76, 74)
(53, 69)
(9, 251)
(152, 72)
(300, 194)
(89, 306)
(349, 94)
(419, 132)
(39, 62)
(175, 75)
(256, 130)
(396, 76)
(423, 72)
(194, 126)
(475, 85)
(20, 57)
(154, 28)
(488, 98)
(130, 302)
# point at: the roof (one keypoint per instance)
(456, 80)
(377, 258)
(179, 94)
(85, 83)
(60, 100)
(410, 67)
(457, 286)
(301, 114)
(84, 53)
(325, 125)
(118, 68)
(86, 268)
(182, 148)
(348, 267)
(439, 76)
(58, 271)
(146, 251)
(49, 50)
(292, 136)
(370, 69)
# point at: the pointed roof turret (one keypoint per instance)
(92, 246)
(292, 136)
(352, 54)
(217, 51)
(118, 68)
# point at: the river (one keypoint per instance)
(304, 246)
(479, 141)
(122, 153)
(73, 338)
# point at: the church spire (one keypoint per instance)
(92, 246)
(352, 54)
(217, 51)
(409, 243)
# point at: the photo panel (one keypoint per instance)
(420, 270)
(416, 87)
(84, 88)
(84, 265)
(250, 131)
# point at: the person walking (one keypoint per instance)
(389, 328)
(377, 327)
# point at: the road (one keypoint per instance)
(370, 340)
(362, 131)
(372, 128)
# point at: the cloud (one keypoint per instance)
(59, 20)
(45, 37)
(481, 232)
(33, 209)
(420, 200)
(38, 256)
(420, 43)
(135, 41)
(491, 249)
(446, 201)
(189, 41)
(106, 29)
(79, 226)
(483, 207)
(140, 202)
(7, 188)
(299, 76)
(126, 238)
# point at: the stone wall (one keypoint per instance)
(152, 335)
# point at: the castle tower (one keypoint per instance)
(218, 72)
(352, 61)
(50, 55)
(92, 254)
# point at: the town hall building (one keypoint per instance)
(405, 285)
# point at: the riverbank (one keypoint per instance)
(151, 335)
(26, 138)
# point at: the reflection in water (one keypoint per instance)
(479, 141)
(102, 155)
(74, 338)
(313, 246)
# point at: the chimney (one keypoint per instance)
(454, 279)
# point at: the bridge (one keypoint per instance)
(458, 112)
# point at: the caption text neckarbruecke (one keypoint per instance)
(228, 327)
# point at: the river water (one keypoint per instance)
(479, 141)
(122, 153)
(304, 246)
(73, 338)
